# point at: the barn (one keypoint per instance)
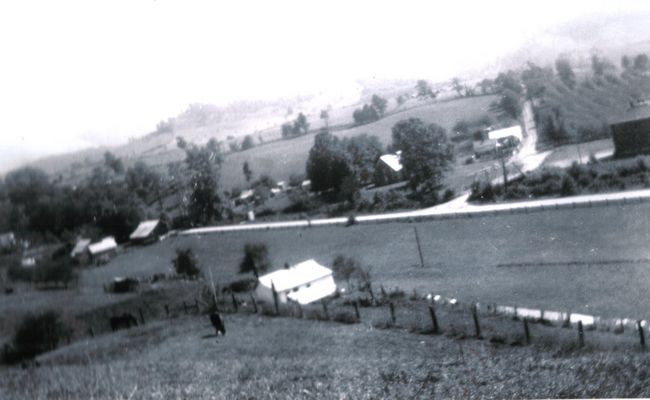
(80, 252)
(631, 131)
(148, 232)
(101, 252)
(389, 169)
(304, 283)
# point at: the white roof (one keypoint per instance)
(276, 190)
(506, 132)
(306, 182)
(107, 243)
(295, 276)
(393, 161)
(246, 194)
(144, 229)
(80, 247)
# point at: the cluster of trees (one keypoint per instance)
(32, 203)
(299, 127)
(370, 112)
(577, 179)
(342, 166)
(36, 334)
(246, 144)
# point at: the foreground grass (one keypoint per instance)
(270, 358)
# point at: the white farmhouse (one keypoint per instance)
(304, 283)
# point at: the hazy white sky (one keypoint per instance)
(80, 73)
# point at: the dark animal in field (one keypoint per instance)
(124, 321)
(217, 322)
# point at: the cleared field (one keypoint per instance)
(283, 158)
(265, 358)
(465, 258)
(572, 152)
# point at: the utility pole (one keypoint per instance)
(417, 240)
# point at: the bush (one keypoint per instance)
(37, 334)
(240, 286)
(448, 195)
(256, 259)
(185, 263)
(569, 187)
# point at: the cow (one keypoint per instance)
(217, 321)
(123, 321)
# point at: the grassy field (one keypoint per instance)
(269, 358)
(465, 258)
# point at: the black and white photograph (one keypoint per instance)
(324, 199)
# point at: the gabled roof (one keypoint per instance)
(80, 247)
(393, 161)
(144, 229)
(295, 276)
(296, 279)
(246, 194)
(106, 244)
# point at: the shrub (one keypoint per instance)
(185, 263)
(344, 317)
(241, 285)
(448, 195)
(256, 259)
(482, 191)
(569, 187)
(37, 334)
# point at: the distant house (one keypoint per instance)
(80, 252)
(101, 252)
(7, 242)
(304, 283)
(32, 257)
(631, 131)
(306, 184)
(148, 232)
(488, 142)
(388, 169)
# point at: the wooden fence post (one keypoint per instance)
(526, 331)
(141, 316)
(581, 335)
(275, 299)
(254, 304)
(372, 294)
(641, 334)
(391, 306)
(235, 306)
(417, 240)
(356, 310)
(477, 326)
(196, 305)
(301, 314)
(327, 315)
(185, 307)
(91, 332)
(434, 319)
(167, 310)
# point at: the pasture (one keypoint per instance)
(588, 260)
(271, 358)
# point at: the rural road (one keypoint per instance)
(456, 207)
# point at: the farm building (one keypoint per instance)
(304, 283)
(31, 257)
(101, 252)
(148, 232)
(631, 132)
(388, 169)
(489, 141)
(7, 242)
(80, 252)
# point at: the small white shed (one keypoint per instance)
(304, 283)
